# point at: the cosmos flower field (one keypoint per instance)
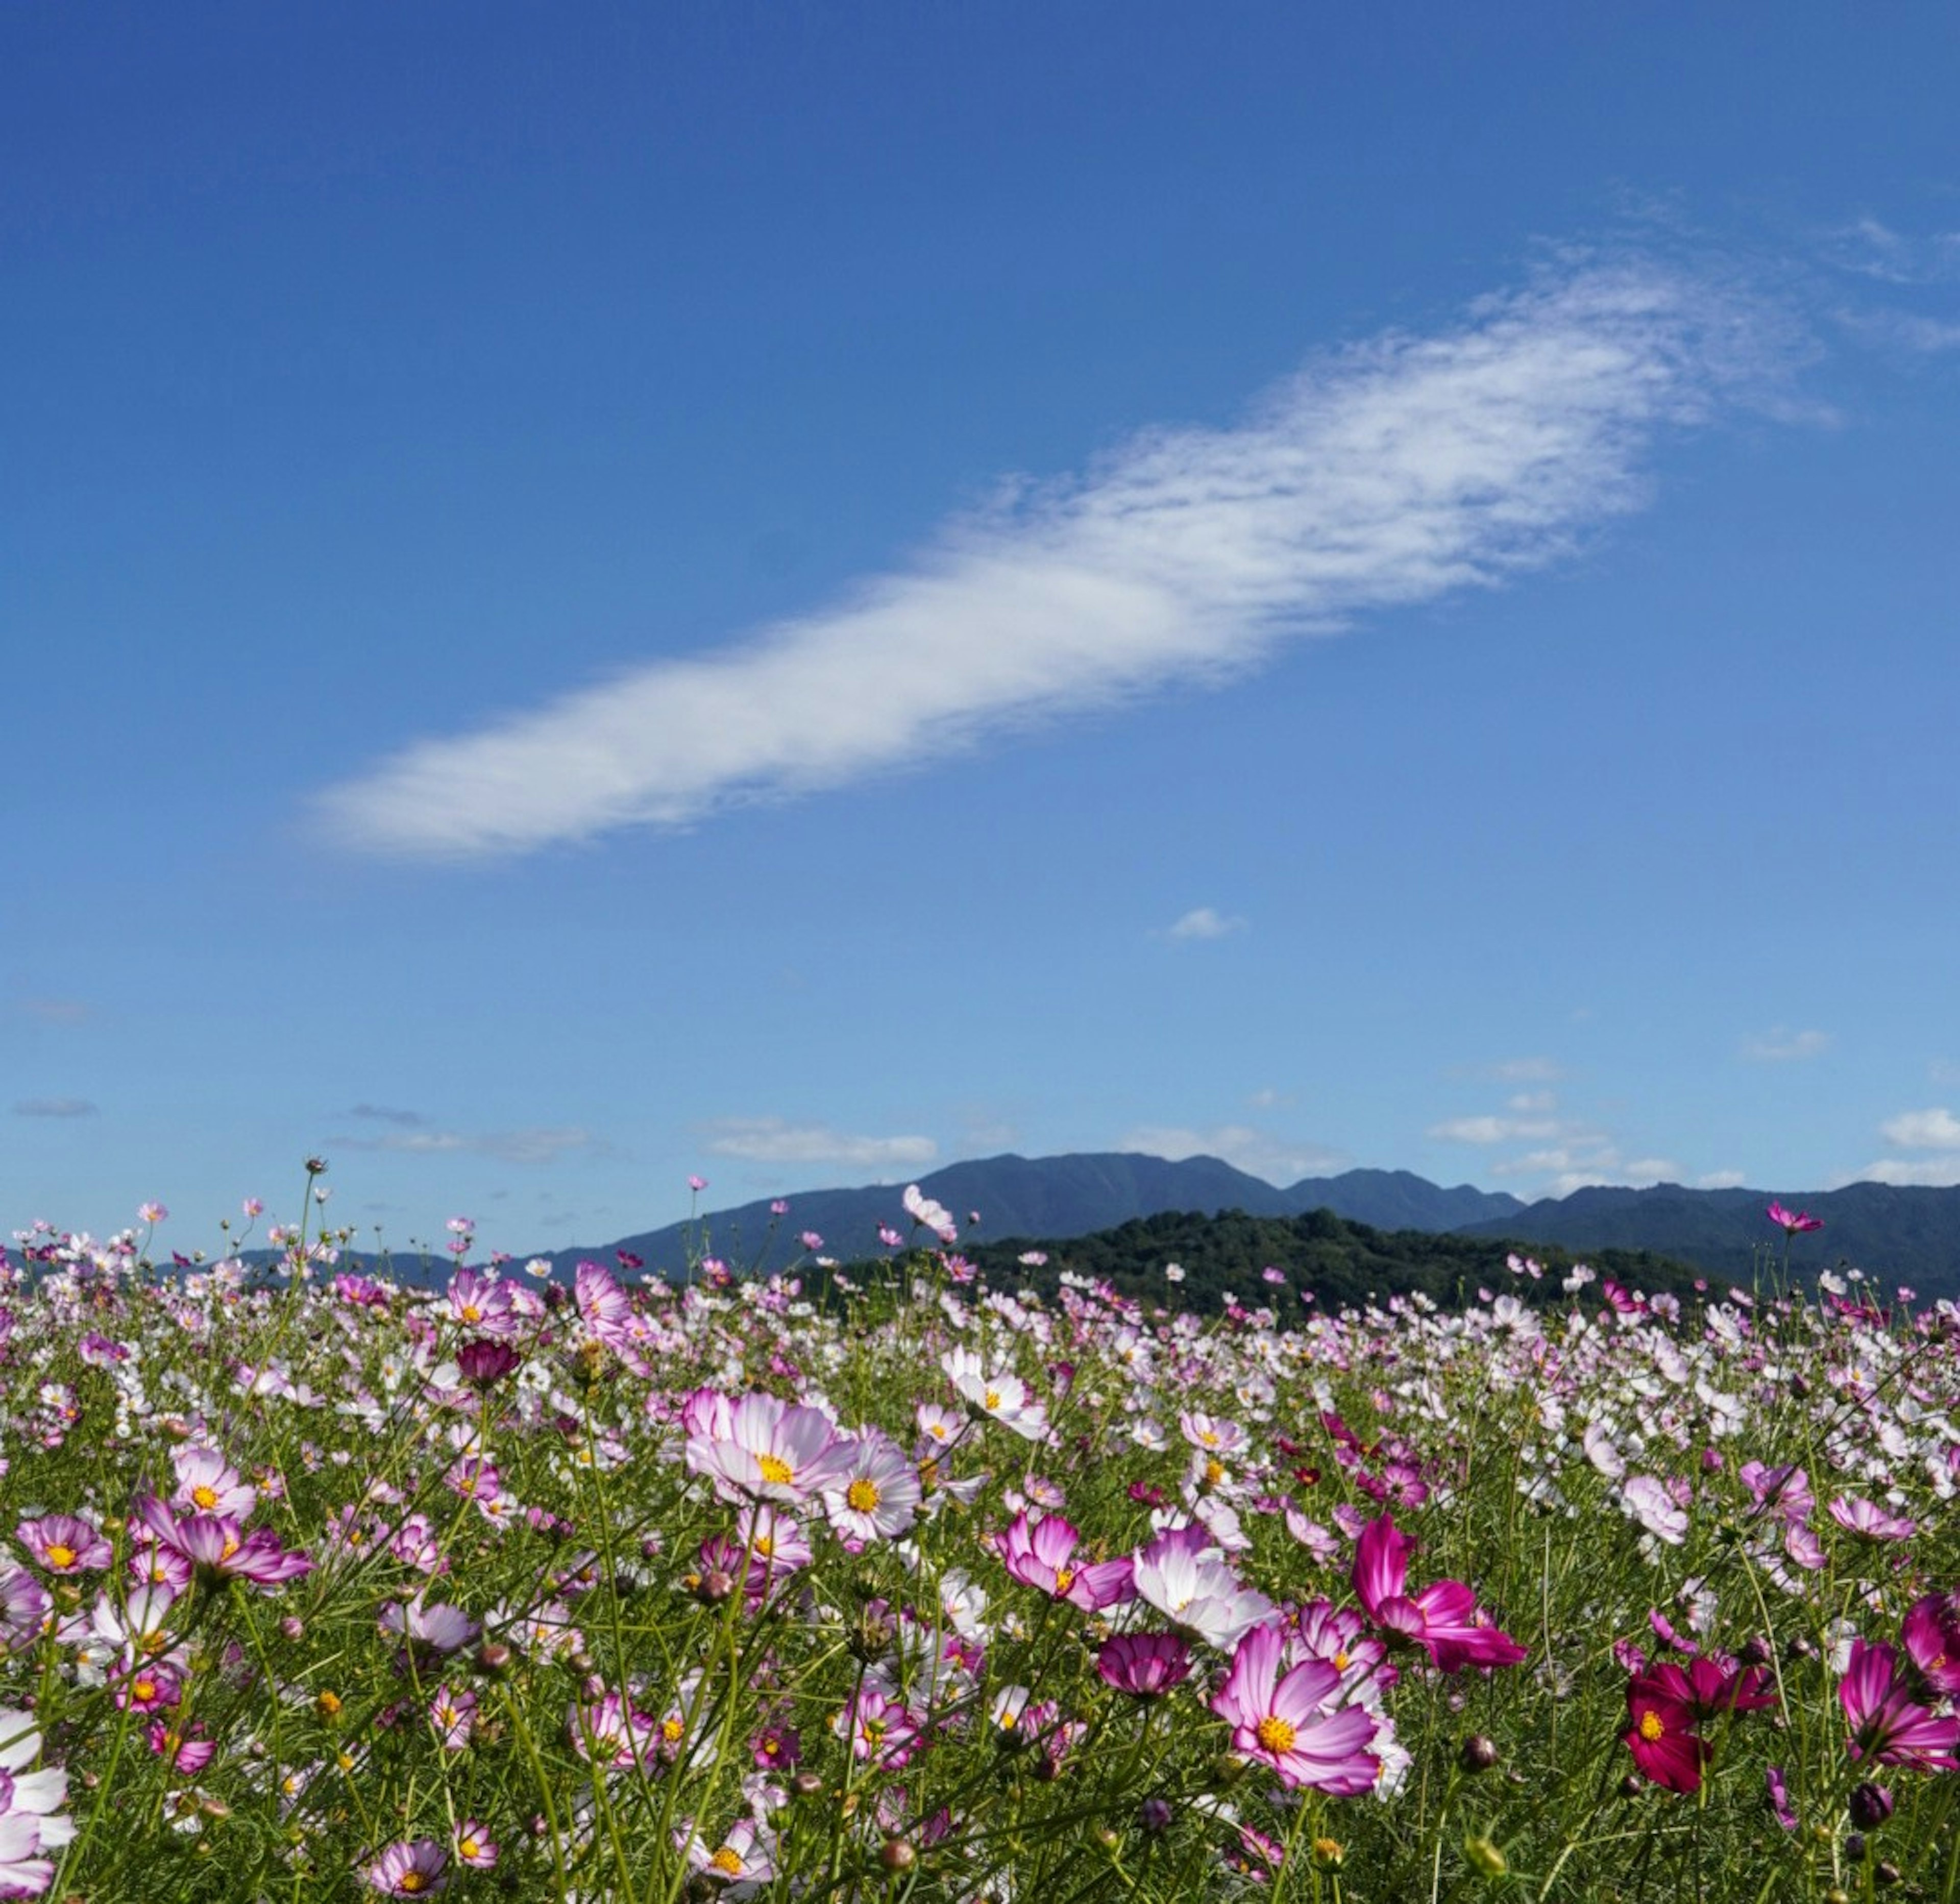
(321, 1585)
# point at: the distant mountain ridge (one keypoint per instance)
(1048, 1198)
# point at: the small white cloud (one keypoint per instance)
(1260, 1153)
(1525, 1070)
(1778, 1046)
(1493, 1130)
(55, 1107)
(1203, 923)
(1526, 1102)
(1720, 1180)
(1937, 1129)
(773, 1140)
(1267, 1098)
(386, 1114)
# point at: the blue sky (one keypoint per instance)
(796, 593)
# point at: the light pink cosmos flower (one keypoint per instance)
(1177, 1573)
(999, 1394)
(29, 1827)
(474, 1846)
(929, 1215)
(64, 1543)
(1292, 1721)
(207, 1483)
(1652, 1505)
(1869, 1521)
(431, 1630)
(413, 1867)
(1888, 1724)
(482, 1304)
(453, 1713)
(881, 1731)
(609, 1731)
(1444, 1619)
(744, 1859)
(770, 1451)
(1792, 1223)
(877, 1496)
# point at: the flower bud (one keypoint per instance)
(1153, 1816)
(897, 1854)
(714, 1587)
(493, 1657)
(1631, 1787)
(1886, 1872)
(1854, 1847)
(807, 1785)
(1485, 1857)
(1870, 1805)
(1478, 1753)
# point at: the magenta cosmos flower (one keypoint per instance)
(1444, 1619)
(1291, 1722)
(1888, 1724)
(1661, 1735)
(769, 1451)
(219, 1547)
(1040, 1554)
(1932, 1635)
(1792, 1222)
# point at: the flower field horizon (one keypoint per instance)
(322, 1584)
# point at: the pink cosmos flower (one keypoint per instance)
(474, 1846)
(1661, 1735)
(1145, 1665)
(771, 1451)
(1707, 1687)
(929, 1215)
(1792, 1223)
(1444, 1619)
(881, 1731)
(998, 1395)
(1040, 1554)
(1888, 1724)
(64, 1543)
(453, 1713)
(1869, 1521)
(413, 1867)
(1291, 1722)
(482, 1304)
(745, 1857)
(609, 1731)
(217, 1545)
(207, 1483)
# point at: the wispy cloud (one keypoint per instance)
(772, 1140)
(1873, 249)
(1202, 922)
(1936, 1129)
(1392, 472)
(1277, 1159)
(1778, 1046)
(55, 1107)
(56, 1011)
(1494, 1130)
(385, 1114)
(1720, 1180)
(530, 1146)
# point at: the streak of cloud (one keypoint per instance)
(1204, 922)
(1394, 472)
(772, 1140)
(55, 1107)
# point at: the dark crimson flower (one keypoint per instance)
(1662, 1736)
(1144, 1664)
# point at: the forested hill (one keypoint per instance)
(1343, 1263)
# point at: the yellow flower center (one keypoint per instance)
(1275, 1734)
(1210, 1439)
(471, 1313)
(992, 1398)
(728, 1861)
(763, 1545)
(1215, 1472)
(144, 1689)
(1064, 1578)
(205, 1498)
(410, 1882)
(1009, 1717)
(327, 1705)
(230, 1548)
(776, 1469)
(671, 1729)
(59, 1555)
(1651, 1727)
(467, 1847)
(862, 1495)
(1341, 1662)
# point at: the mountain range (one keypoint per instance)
(1908, 1235)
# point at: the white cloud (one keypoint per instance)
(1778, 1046)
(1720, 1180)
(1277, 1160)
(56, 1011)
(771, 1140)
(1390, 473)
(1525, 1101)
(1203, 923)
(531, 1146)
(1938, 1172)
(54, 1107)
(1908, 330)
(1526, 1071)
(1873, 249)
(1268, 1097)
(1493, 1130)
(1937, 1129)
